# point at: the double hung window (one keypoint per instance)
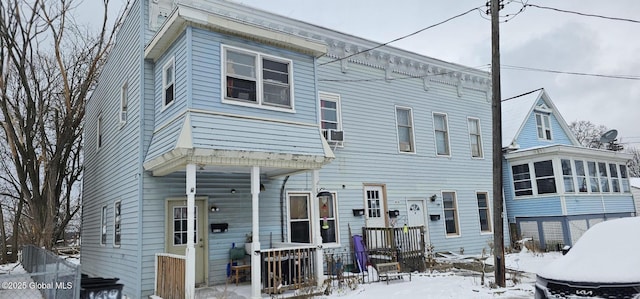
(543, 125)
(168, 82)
(442, 134)
(484, 211)
(545, 180)
(450, 213)
(475, 138)
(404, 122)
(522, 180)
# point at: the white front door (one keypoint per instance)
(176, 233)
(375, 206)
(415, 216)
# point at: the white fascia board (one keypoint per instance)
(184, 15)
(572, 151)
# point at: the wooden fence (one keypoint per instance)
(405, 245)
(170, 274)
(289, 268)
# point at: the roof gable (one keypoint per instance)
(517, 111)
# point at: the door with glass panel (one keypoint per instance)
(176, 233)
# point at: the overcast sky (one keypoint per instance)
(535, 38)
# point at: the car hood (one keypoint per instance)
(609, 252)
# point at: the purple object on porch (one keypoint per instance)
(361, 252)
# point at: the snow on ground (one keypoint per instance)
(15, 282)
(449, 284)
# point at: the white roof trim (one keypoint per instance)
(573, 151)
(185, 15)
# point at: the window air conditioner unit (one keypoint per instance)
(333, 135)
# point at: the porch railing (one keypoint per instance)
(288, 268)
(405, 245)
(170, 273)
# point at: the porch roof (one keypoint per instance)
(232, 141)
(568, 150)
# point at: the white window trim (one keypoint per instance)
(337, 224)
(435, 139)
(124, 103)
(170, 63)
(480, 143)
(334, 97)
(114, 223)
(309, 212)
(457, 218)
(489, 209)
(99, 132)
(259, 94)
(104, 211)
(413, 130)
(544, 126)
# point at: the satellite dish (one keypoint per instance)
(609, 136)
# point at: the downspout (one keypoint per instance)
(282, 208)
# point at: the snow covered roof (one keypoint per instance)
(514, 113)
(635, 182)
(606, 253)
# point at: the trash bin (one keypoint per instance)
(100, 288)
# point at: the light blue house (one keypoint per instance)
(554, 188)
(224, 122)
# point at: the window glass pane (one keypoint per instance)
(482, 200)
(241, 89)
(447, 199)
(545, 180)
(547, 185)
(300, 232)
(441, 143)
(613, 170)
(404, 135)
(473, 126)
(276, 94)
(403, 117)
(328, 231)
(450, 221)
(298, 208)
(543, 168)
(326, 208)
(439, 122)
(275, 71)
(566, 167)
(168, 75)
(241, 64)
(623, 171)
(580, 168)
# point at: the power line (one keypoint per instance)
(524, 68)
(581, 13)
(524, 94)
(402, 37)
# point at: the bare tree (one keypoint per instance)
(633, 167)
(50, 65)
(588, 133)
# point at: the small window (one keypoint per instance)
(124, 100)
(543, 124)
(450, 213)
(99, 131)
(567, 175)
(522, 180)
(116, 223)
(404, 122)
(275, 83)
(624, 178)
(442, 134)
(475, 138)
(484, 212)
(328, 219)
(581, 176)
(103, 226)
(330, 115)
(615, 180)
(180, 225)
(299, 218)
(593, 176)
(545, 180)
(168, 82)
(604, 177)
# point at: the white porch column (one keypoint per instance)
(190, 271)
(255, 232)
(315, 227)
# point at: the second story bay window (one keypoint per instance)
(256, 79)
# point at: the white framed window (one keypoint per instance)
(450, 207)
(615, 179)
(179, 228)
(581, 177)
(330, 114)
(484, 211)
(124, 102)
(593, 176)
(103, 226)
(567, 176)
(604, 177)
(522, 180)
(299, 217)
(99, 131)
(329, 218)
(404, 124)
(117, 220)
(475, 137)
(256, 79)
(624, 178)
(441, 130)
(168, 82)
(545, 179)
(543, 125)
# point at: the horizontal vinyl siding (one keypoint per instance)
(545, 206)
(529, 135)
(177, 51)
(231, 133)
(206, 55)
(106, 181)
(165, 139)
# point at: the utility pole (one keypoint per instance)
(496, 111)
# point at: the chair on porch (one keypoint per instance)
(238, 267)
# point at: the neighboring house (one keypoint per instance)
(232, 118)
(554, 188)
(635, 189)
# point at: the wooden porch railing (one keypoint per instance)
(288, 268)
(170, 273)
(398, 244)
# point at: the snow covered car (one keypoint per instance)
(604, 263)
